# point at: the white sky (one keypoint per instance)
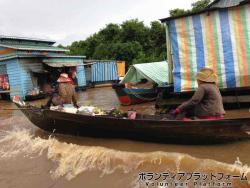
(66, 21)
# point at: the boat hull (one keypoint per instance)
(35, 97)
(128, 96)
(146, 128)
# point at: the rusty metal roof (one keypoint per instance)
(30, 44)
(27, 39)
(8, 57)
(34, 47)
(217, 4)
(225, 3)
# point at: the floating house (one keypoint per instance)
(99, 71)
(217, 37)
(30, 63)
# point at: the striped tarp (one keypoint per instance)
(219, 40)
(156, 72)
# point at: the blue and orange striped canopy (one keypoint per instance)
(218, 39)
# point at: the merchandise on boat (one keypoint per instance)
(84, 110)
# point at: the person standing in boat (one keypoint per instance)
(65, 94)
(206, 103)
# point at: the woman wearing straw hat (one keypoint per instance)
(66, 92)
(206, 103)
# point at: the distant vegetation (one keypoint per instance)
(131, 41)
(196, 6)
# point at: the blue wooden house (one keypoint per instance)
(25, 60)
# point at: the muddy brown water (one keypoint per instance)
(30, 157)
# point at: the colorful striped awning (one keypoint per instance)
(218, 39)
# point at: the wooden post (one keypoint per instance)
(169, 55)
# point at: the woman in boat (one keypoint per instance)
(206, 103)
(66, 93)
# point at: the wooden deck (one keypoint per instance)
(233, 98)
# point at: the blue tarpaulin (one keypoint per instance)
(104, 71)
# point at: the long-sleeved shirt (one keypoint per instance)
(206, 101)
(67, 94)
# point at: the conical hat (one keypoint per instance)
(207, 75)
(64, 78)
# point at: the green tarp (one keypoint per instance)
(156, 72)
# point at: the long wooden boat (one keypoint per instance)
(144, 127)
(131, 96)
(35, 97)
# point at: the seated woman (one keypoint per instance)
(206, 102)
(66, 92)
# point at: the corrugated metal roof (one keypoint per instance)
(26, 39)
(217, 4)
(66, 56)
(67, 61)
(97, 60)
(35, 56)
(225, 3)
(63, 64)
(34, 47)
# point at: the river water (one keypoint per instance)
(30, 157)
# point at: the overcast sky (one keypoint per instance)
(66, 21)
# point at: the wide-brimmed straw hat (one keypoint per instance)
(207, 75)
(64, 78)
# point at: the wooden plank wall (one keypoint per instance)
(26, 67)
(3, 69)
(13, 71)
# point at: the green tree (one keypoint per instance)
(157, 41)
(111, 33)
(77, 48)
(127, 51)
(130, 41)
(200, 5)
(102, 51)
(61, 46)
(196, 6)
(134, 30)
(178, 12)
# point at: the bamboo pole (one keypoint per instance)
(14, 108)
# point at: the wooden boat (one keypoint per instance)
(128, 96)
(35, 97)
(155, 73)
(144, 127)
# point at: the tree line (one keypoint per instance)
(131, 41)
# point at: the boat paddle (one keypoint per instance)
(14, 108)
